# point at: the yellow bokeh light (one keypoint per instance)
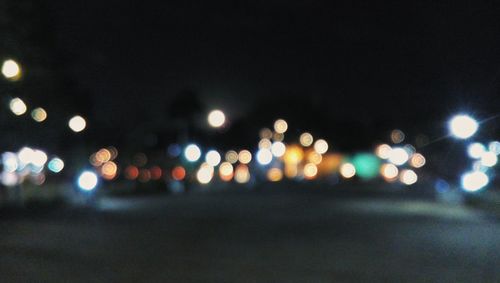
(226, 171)
(265, 143)
(216, 118)
(242, 174)
(109, 170)
(310, 171)
(39, 114)
(417, 160)
(77, 124)
(321, 146)
(232, 156)
(306, 139)
(383, 151)
(280, 126)
(314, 157)
(291, 170)
(103, 155)
(275, 174)
(389, 172)
(205, 174)
(293, 155)
(245, 156)
(408, 177)
(347, 170)
(17, 106)
(11, 70)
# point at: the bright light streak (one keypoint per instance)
(489, 159)
(310, 171)
(321, 146)
(205, 174)
(39, 114)
(56, 165)
(11, 70)
(278, 149)
(306, 139)
(398, 156)
(474, 181)
(213, 158)
(408, 177)
(245, 156)
(17, 106)
(264, 156)
(87, 181)
(347, 170)
(463, 126)
(383, 151)
(192, 153)
(280, 126)
(476, 150)
(417, 160)
(77, 124)
(216, 118)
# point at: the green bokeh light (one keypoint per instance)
(367, 165)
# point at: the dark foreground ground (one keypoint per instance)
(252, 237)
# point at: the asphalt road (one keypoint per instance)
(251, 237)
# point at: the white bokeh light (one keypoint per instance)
(11, 69)
(77, 124)
(264, 156)
(475, 150)
(398, 156)
(213, 158)
(216, 118)
(474, 181)
(192, 153)
(463, 126)
(87, 181)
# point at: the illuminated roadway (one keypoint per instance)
(252, 237)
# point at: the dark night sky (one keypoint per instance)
(367, 63)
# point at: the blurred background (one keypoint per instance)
(364, 133)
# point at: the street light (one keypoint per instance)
(77, 124)
(11, 70)
(463, 126)
(216, 119)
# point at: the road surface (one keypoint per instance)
(251, 237)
